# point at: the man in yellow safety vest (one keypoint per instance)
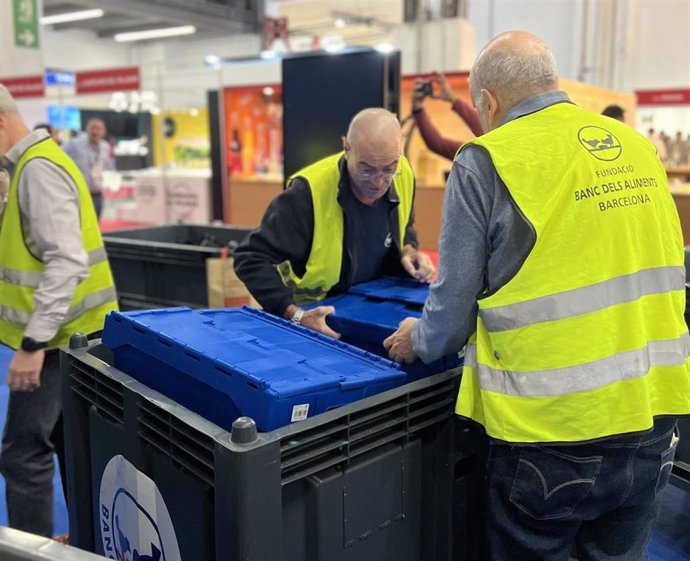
(55, 280)
(343, 220)
(569, 290)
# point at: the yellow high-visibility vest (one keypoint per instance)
(588, 339)
(21, 271)
(325, 260)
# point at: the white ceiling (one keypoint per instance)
(366, 22)
(209, 16)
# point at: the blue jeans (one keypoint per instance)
(600, 500)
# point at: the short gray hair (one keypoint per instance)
(7, 103)
(513, 75)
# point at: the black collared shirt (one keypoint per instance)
(287, 230)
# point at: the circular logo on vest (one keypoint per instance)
(600, 143)
(134, 521)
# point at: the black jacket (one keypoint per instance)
(286, 234)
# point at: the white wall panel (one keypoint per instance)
(79, 49)
(447, 45)
(630, 44)
(659, 45)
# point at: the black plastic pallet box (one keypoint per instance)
(165, 266)
(393, 477)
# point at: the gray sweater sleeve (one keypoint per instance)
(49, 203)
(484, 241)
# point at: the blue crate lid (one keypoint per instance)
(366, 318)
(280, 358)
(366, 322)
(395, 289)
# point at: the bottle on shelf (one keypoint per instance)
(234, 163)
(235, 154)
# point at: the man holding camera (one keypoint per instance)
(445, 147)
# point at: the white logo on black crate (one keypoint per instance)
(135, 523)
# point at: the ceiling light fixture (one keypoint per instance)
(155, 33)
(72, 16)
(212, 60)
(339, 22)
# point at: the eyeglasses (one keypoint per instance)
(371, 175)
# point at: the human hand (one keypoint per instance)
(315, 319)
(399, 345)
(417, 264)
(446, 92)
(24, 371)
(417, 97)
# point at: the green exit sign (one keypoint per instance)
(25, 24)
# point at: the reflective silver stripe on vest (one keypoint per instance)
(583, 300)
(589, 376)
(92, 300)
(14, 316)
(97, 256)
(31, 279)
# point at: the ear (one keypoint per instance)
(492, 105)
(346, 146)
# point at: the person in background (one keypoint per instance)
(666, 139)
(93, 155)
(677, 153)
(52, 131)
(570, 293)
(56, 281)
(658, 141)
(615, 112)
(432, 138)
(344, 220)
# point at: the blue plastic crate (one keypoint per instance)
(394, 289)
(372, 311)
(225, 363)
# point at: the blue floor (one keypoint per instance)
(670, 541)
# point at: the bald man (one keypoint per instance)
(343, 220)
(568, 288)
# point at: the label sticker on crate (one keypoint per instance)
(299, 412)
